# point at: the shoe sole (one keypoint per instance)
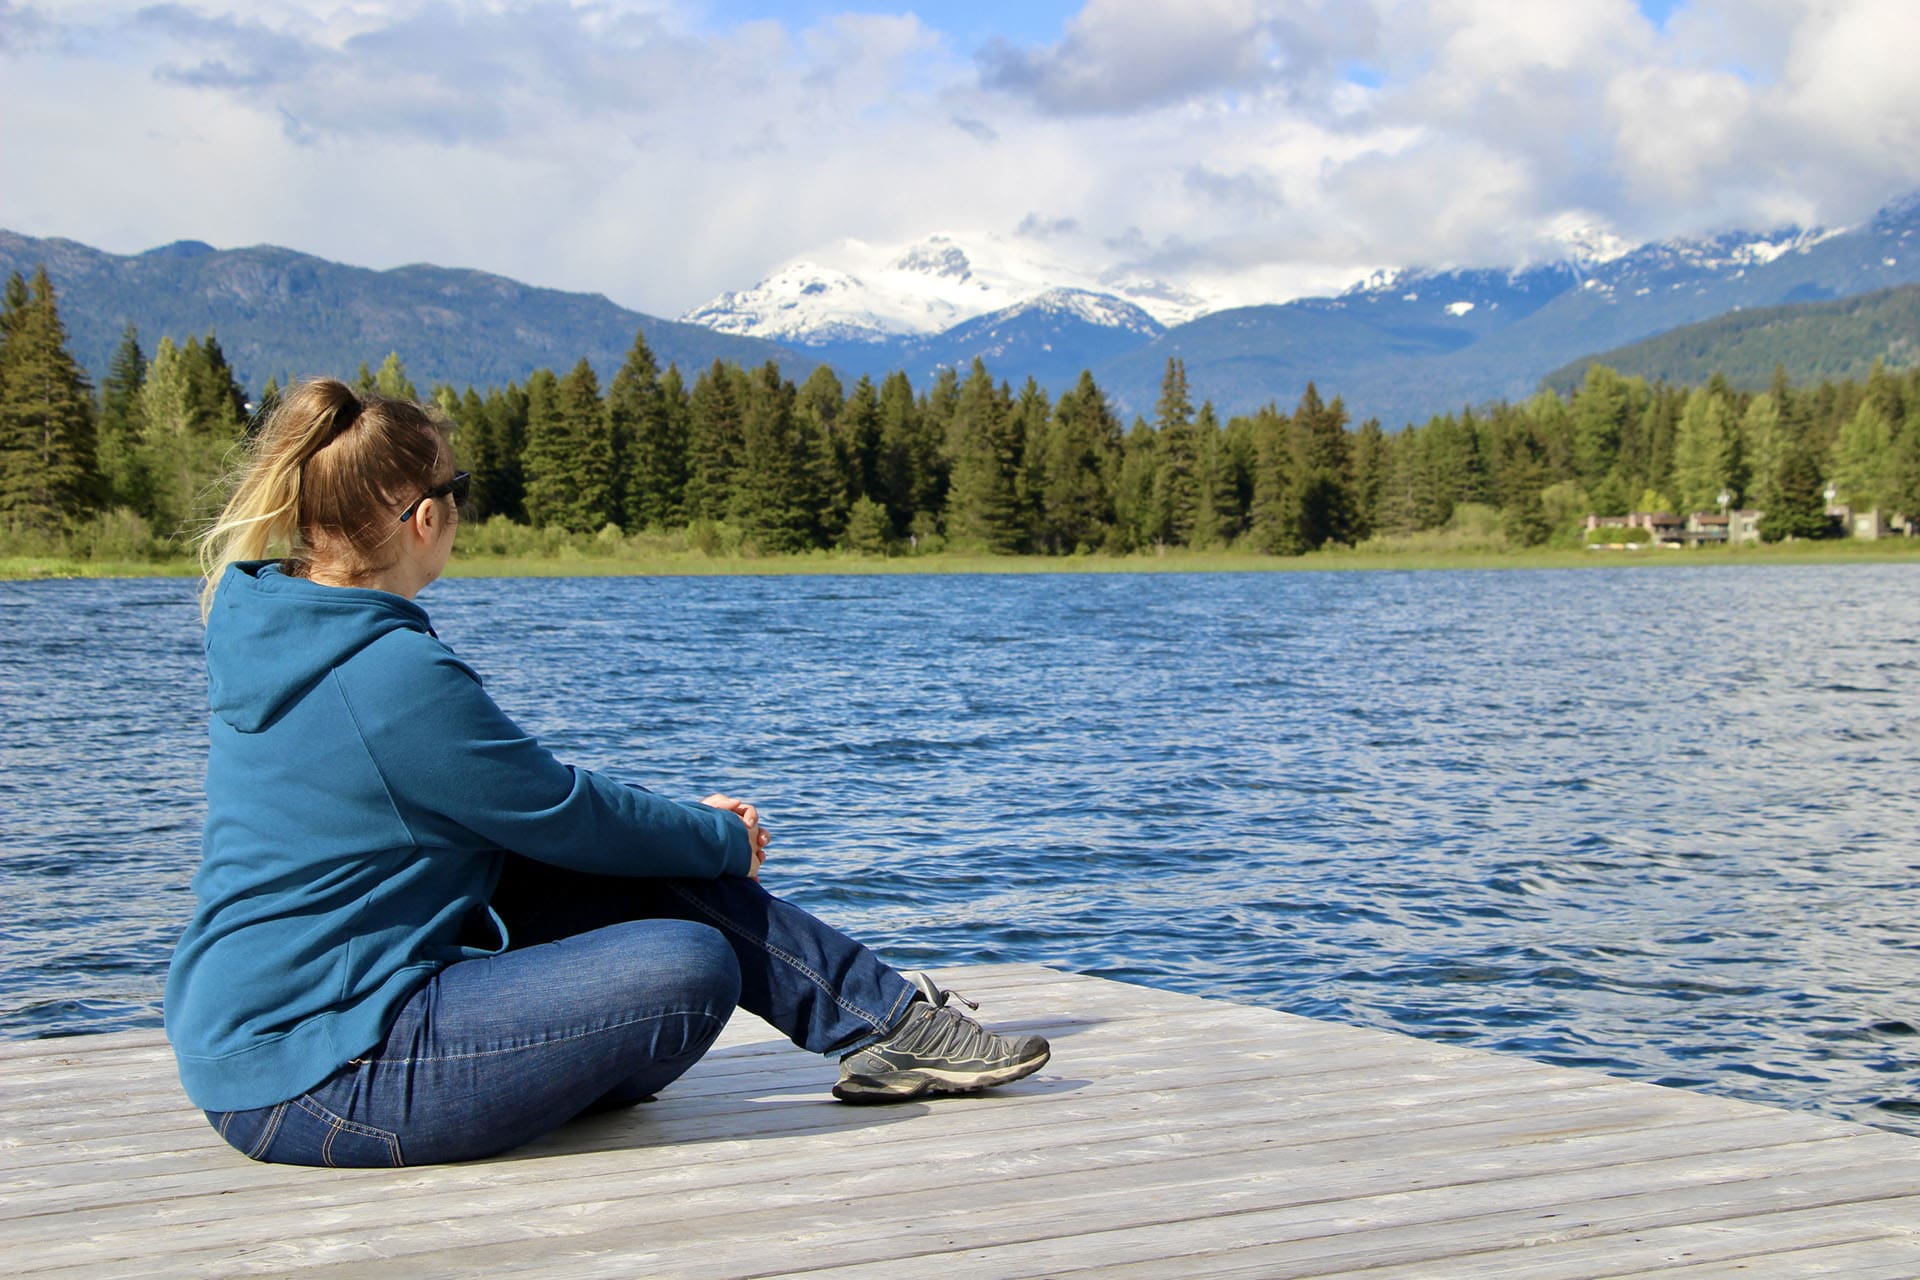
(909, 1085)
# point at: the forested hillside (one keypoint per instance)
(1811, 341)
(745, 458)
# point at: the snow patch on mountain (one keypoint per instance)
(1583, 243)
(805, 302)
(1058, 306)
(865, 292)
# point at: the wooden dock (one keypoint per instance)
(1171, 1136)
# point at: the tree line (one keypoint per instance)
(968, 460)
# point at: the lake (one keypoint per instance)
(1658, 821)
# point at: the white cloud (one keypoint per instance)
(1268, 146)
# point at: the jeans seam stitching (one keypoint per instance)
(308, 1104)
(268, 1132)
(903, 1000)
(541, 1044)
(326, 1144)
(772, 950)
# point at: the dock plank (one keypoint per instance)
(1171, 1135)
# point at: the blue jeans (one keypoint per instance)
(609, 990)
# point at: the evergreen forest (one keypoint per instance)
(744, 460)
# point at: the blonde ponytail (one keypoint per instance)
(328, 466)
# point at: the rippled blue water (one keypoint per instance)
(1659, 822)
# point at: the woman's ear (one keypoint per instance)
(429, 516)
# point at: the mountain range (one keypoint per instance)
(1400, 345)
(279, 313)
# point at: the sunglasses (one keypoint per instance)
(455, 488)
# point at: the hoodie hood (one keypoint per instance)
(271, 636)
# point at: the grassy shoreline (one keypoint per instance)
(696, 564)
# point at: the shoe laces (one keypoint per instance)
(945, 1032)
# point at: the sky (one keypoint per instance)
(662, 151)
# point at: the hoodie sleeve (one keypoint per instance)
(446, 751)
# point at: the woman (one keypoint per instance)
(418, 936)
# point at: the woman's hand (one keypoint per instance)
(757, 837)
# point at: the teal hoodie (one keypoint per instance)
(361, 787)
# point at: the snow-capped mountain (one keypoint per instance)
(1398, 343)
(878, 293)
(1404, 344)
(1050, 338)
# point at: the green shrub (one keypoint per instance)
(1616, 533)
(867, 528)
(119, 534)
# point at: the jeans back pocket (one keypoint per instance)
(301, 1131)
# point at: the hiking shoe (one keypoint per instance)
(936, 1049)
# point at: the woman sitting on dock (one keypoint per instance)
(420, 938)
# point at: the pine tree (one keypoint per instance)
(1762, 442)
(1662, 429)
(938, 406)
(1903, 488)
(589, 507)
(1798, 504)
(1863, 462)
(1082, 446)
(910, 473)
(545, 459)
(47, 451)
(392, 379)
(1524, 520)
(219, 399)
(673, 400)
(1883, 393)
(1522, 475)
(984, 505)
(1600, 410)
(828, 481)
(648, 440)
(1031, 410)
(1138, 519)
(1428, 468)
(860, 430)
(187, 430)
(1275, 528)
(474, 450)
(769, 490)
(1321, 492)
(1703, 451)
(504, 479)
(715, 440)
(1370, 466)
(1177, 488)
(1397, 511)
(119, 435)
(1215, 516)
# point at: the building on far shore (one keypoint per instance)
(1702, 528)
(1740, 527)
(1869, 524)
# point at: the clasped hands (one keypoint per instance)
(756, 834)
